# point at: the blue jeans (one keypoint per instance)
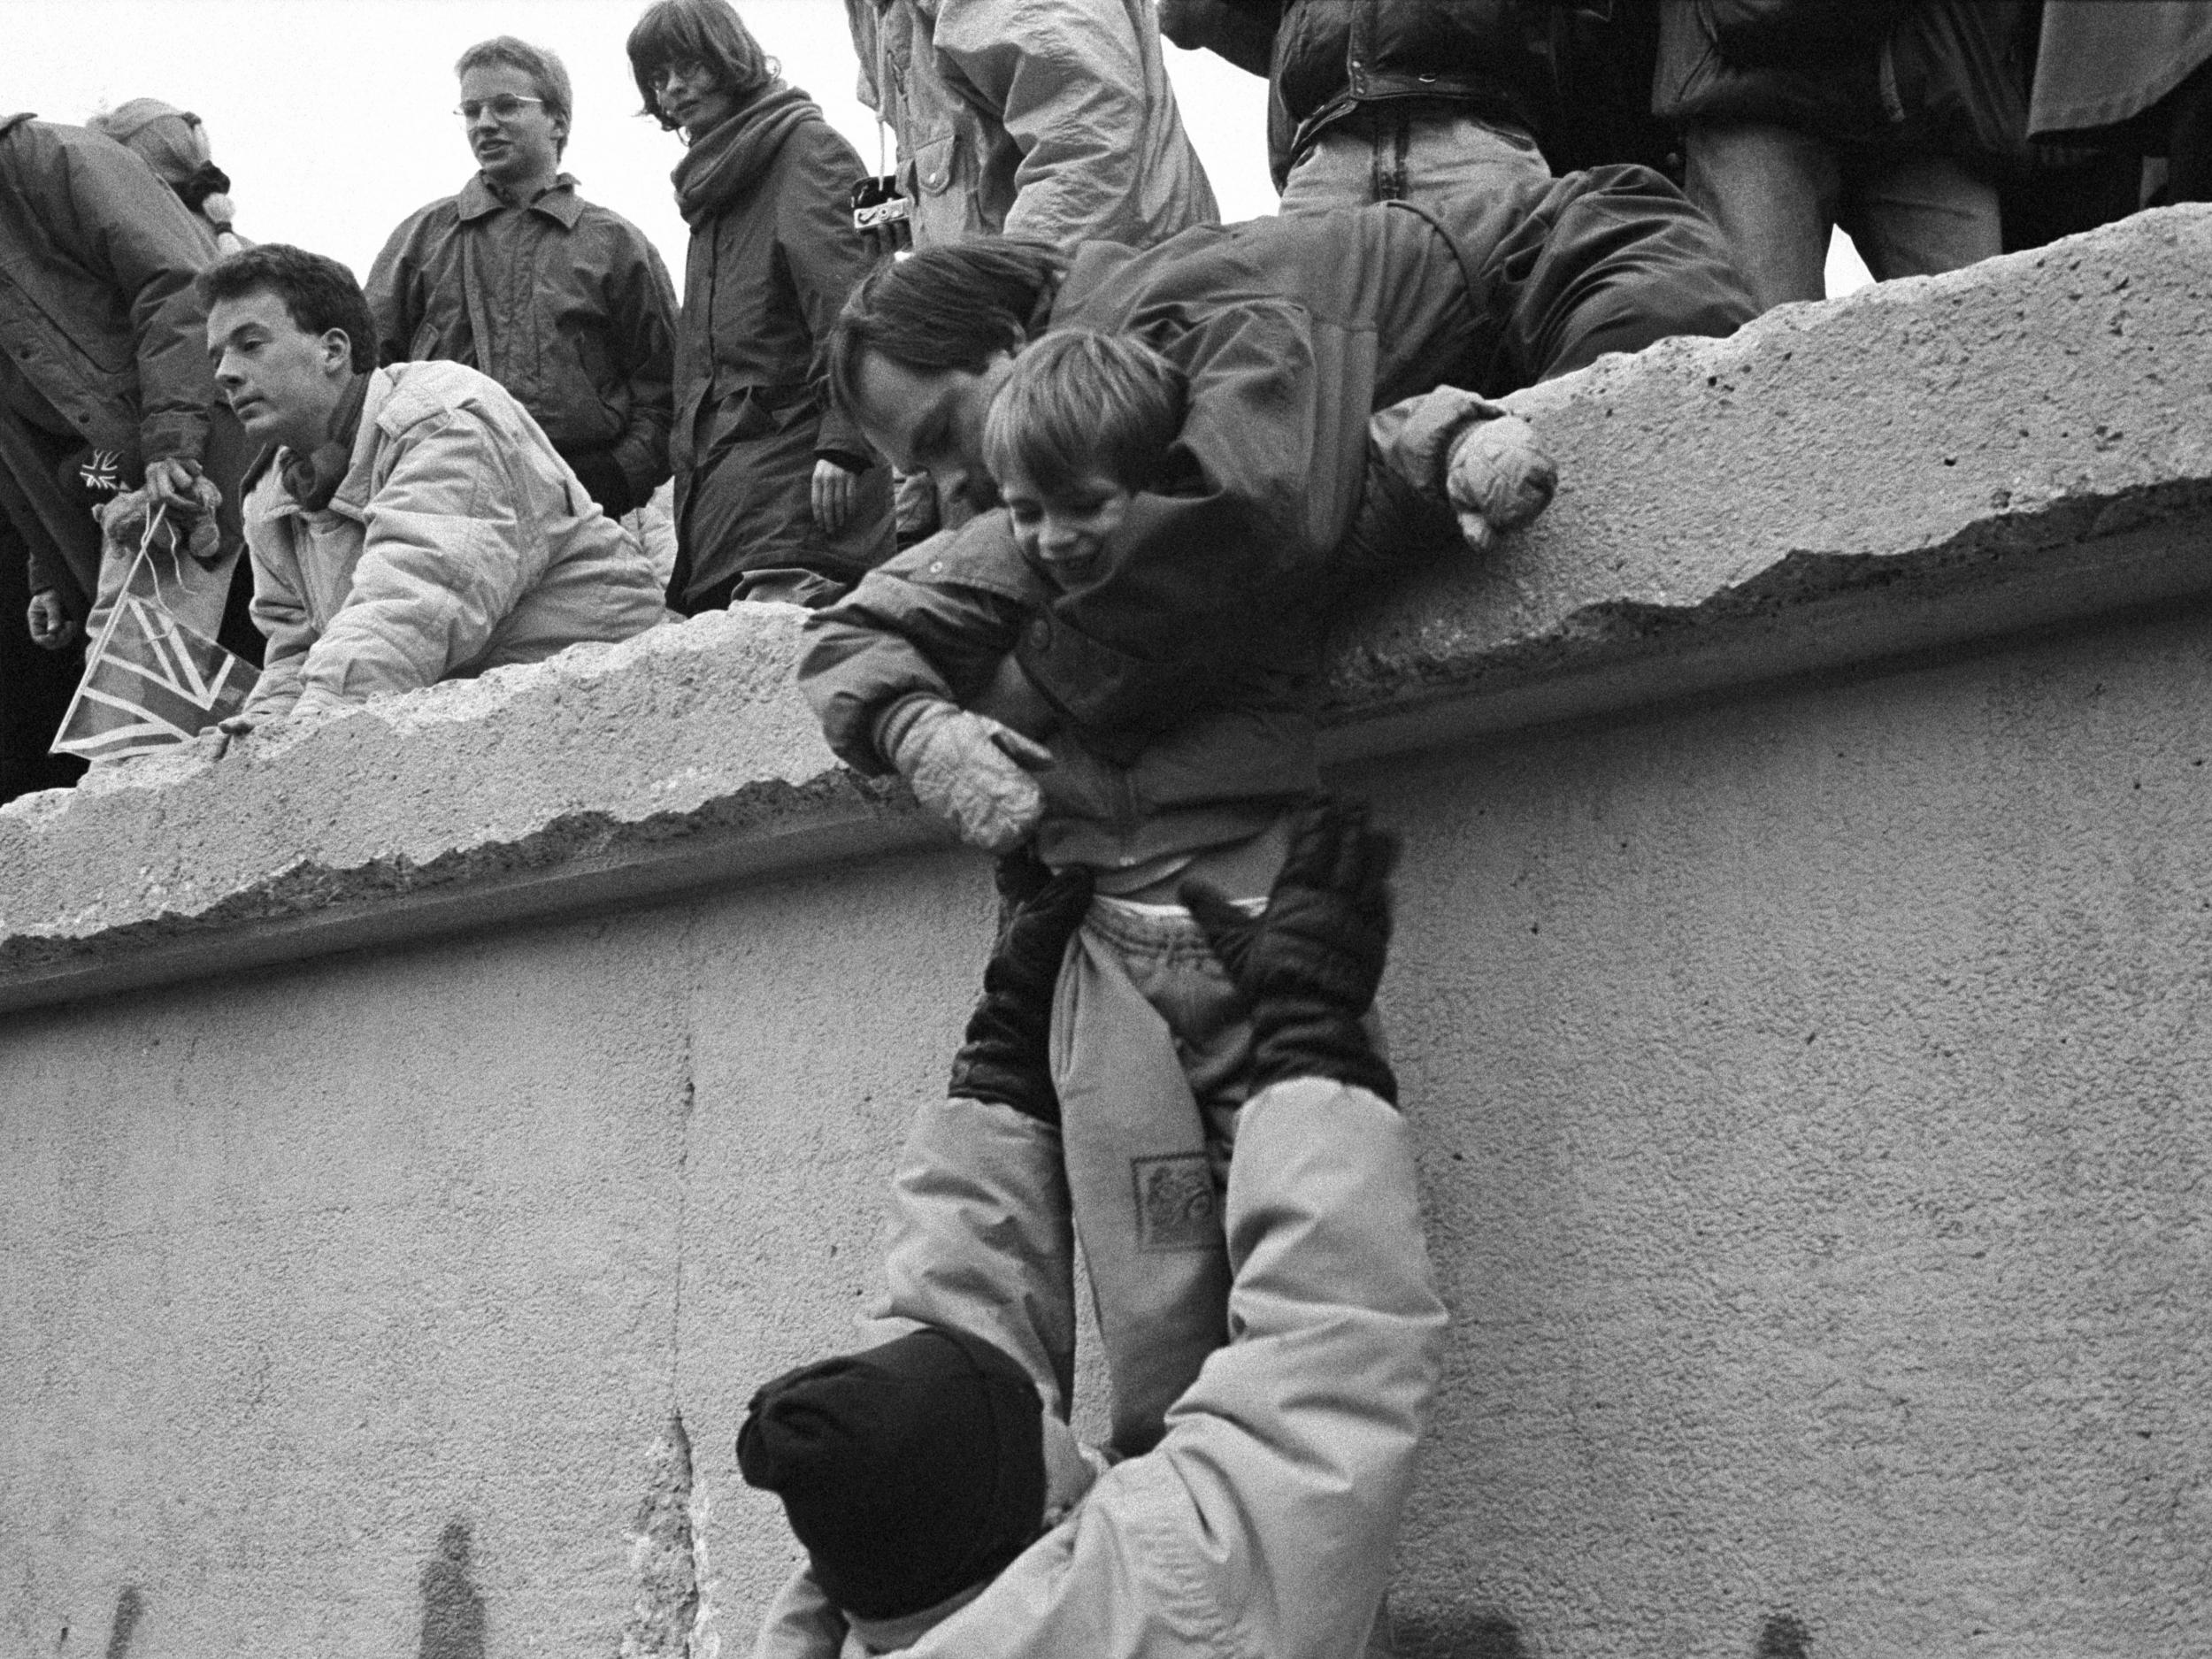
(1776, 194)
(1412, 153)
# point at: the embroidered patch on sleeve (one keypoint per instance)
(1177, 1207)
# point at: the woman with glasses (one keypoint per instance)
(778, 495)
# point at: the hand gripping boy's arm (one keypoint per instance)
(888, 668)
(1308, 966)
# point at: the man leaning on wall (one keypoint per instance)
(1050, 119)
(409, 524)
(563, 302)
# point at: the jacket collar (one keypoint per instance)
(560, 203)
(351, 500)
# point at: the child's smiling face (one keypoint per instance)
(1064, 527)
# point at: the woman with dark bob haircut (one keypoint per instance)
(778, 495)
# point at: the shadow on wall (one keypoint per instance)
(1444, 1633)
(130, 1607)
(1487, 1634)
(452, 1608)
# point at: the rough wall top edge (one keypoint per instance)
(1928, 462)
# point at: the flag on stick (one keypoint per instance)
(150, 681)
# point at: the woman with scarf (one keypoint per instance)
(778, 495)
(173, 143)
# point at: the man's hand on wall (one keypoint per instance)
(1498, 478)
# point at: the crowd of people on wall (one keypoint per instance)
(1935, 132)
(1070, 479)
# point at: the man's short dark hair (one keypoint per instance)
(1080, 404)
(318, 293)
(705, 32)
(944, 308)
(545, 69)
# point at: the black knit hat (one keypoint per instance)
(910, 1471)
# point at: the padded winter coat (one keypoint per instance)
(1265, 1521)
(1049, 118)
(459, 540)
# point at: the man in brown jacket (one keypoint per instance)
(561, 300)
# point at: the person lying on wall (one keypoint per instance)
(407, 524)
(946, 1509)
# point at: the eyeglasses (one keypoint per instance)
(660, 79)
(505, 107)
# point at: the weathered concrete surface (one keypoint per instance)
(1809, 1087)
(1924, 463)
(1809, 1073)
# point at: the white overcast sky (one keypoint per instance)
(333, 116)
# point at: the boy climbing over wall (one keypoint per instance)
(1170, 830)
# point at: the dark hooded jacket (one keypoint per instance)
(1548, 66)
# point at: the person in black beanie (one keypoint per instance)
(946, 1510)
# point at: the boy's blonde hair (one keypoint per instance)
(1078, 403)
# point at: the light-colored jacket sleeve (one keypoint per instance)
(1069, 82)
(981, 1237)
(801, 1623)
(280, 614)
(1265, 1521)
(446, 554)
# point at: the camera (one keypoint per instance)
(877, 204)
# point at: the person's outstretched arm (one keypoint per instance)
(981, 1235)
(1264, 1522)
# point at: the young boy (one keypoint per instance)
(1150, 1043)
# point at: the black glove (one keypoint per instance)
(1006, 1057)
(602, 475)
(1308, 965)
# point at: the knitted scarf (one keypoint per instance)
(726, 161)
(312, 480)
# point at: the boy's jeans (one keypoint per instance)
(1152, 1059)
(1150, 1054)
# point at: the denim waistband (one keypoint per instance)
(1152, 930)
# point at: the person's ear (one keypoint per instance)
(337, 351)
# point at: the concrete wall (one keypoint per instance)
(419, 1133)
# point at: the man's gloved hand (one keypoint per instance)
(969, 770)
(1005, 1056)
(1498, 479)
(1307, 966)
(123, 521)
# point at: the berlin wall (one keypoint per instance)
(421, 1132)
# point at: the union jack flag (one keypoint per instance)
(150, 681)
